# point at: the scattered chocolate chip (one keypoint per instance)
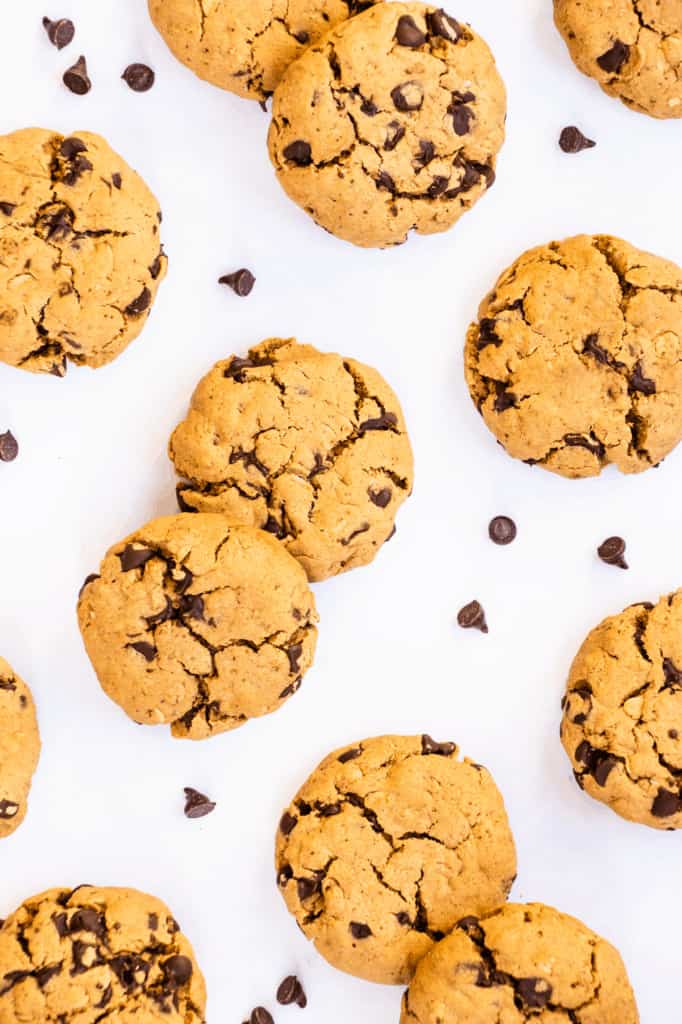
(139, 77)
(612, 551)
(394, 133)
(261, 1016)
(290, 992)
(407, 96)
(359, 930)
(87, 920)
(44, 974)
(76, 78)
(134, 558)
(197, 805)
(349, 755)
(502, 530)
(472, 616)
(408, 32)
(666, 804)
(638, 382)
(299, 152)
(177, 971)
(612, 61)
(429, 746)
(380, 498)
(241, 282)
(148, 651)
(572, 140)
(59, 32)
(140, 304)
(8, 208)
(287, 823)
(534, 992)
(9, 447)
(441, 24)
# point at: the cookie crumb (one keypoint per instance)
(139, 77)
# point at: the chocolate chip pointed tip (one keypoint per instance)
(612, 552)
(291, 992)
(197, 805)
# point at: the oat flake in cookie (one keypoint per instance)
(198, 623)
(524, 962)
(80, 254)
(387, 845)
(87, 955)
(307, 445)
(575, 361)
(391, 123)
(19, 748)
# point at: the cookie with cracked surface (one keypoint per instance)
(91, 954)
(622, 713)
(198, 623)
(386, 846)
(523, 962)
(632, 48)
(391, 123)
(575, 362)
(19, 748)
(246, 45)
(305, 444)
(80, 255)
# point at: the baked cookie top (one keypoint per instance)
(199, 623)
(86, 955)
(524, 962)
(307, 445)
(391, 123)
(80, 255)
(633, 48)
(575, 361)
(389, 843)
(246, 45)
(19, 748)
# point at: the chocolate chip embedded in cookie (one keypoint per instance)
(19, 748)
(387, 845)
(523, 962)
(198, 623)
(304, 444)
(391, 123)
(88, 954)
(575, 362)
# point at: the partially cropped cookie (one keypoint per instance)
(198, 623)
(245, 46)
(19, 748)
(307, 445)
(87, 955)
(387, 845)
(391, 123)
(632, 48)
(575, 362)
(524, 962)
(80, 255)
(622, 721)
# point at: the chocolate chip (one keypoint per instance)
(192, 605)
(148, 651)
(261, 1016)
(116, 180)
(349, 755)
(472, 616)
(502, 530)
(307, 887)
(385, 422)
(153, 922)
(294, 655)
(302, 37)
(671, 674)
(287, 823)
(177, 971)
(44, 974)
(407, 96)
(9, 447)
(59, 32)
(328, 810)
(612, 61)
(437, 186)
(8, 809)
(612, 551)
(8, 208)
(241, 282)
(369, 108)
(408, 32)
(427, 152)
(638, 382)
(394, 133)
(666, 804)
(384, 180)
(76, 78)
(291, 991)
(534, 992)
(299, 152)
(155, 268)
(429, 746)
(487, 334)
(87, 920)
(441, 24)
(140, 304)
(130, 969)
(572, 140)
(197, 805)
(139, 77)
(359, 930)
(134, 558)
(380, 498)
(461, 120)
(602, 768)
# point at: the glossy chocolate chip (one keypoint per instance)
(8, 208)
(472, 616)
(407, 96)
(613, 60)
(359, 930)
(408, 32)
(441, 24)
(197, 805)
(638, 382)
(298, 152)
(290, 992)
(133, 558)
(349, 755)
(59, 32)
(241, 282)
(139, 77)
(9, 447)
(502, 530)
(177, 971)
(430, 746)
(148, 651)
(572, 140)
(612, 552)
(380, 498)
(76, 78)
(666, 804)
(287, 823)
(261, 1016)
(138, 306)
(394, 133)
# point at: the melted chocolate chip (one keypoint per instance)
(666, 804)
(394, 133)
(148, 651)
(612, 552)
(613, 60)
(349, 755)
(534, 992)
(380, 498)
(441, 24)
(287, 823)
(408, 32)
(134, 558)
(638, 382)
(140, 304)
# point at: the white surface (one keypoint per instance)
(107, 801)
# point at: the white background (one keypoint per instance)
(107, 801)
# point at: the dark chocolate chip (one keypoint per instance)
(438, 185)
(116, 180)
(192, 605)
(59, 32)
(299, 152)
(672, 674)
(134, 558)
(384, 180)
(177, 971)
(302, 37)
(294, 655)
(139, 77)
(153, 922)
(76, 78)
(487, 334)
(429, 746)
(9, 447)
(241, 282)
(287, 823)
(638, 382)
(261, 1016)
(572, 140)
(350, 755)
(359, 930)
(328, 810)
(612, 551)
(394, 133)
(155, 268)
(197, 805)
(44, 974)
(380, 498)
(385, 422)
(591, 347)
(441, 24)
(472, 616)
(8, 208)
(666, 804)
(408, 32)
(140, 304)
(602, 767)
(307, 887)
(614, 59)
(369, 108)
(407, 96)
(148, 651)
(290, 992)
(87, 920)
(534, 992)
(128, 968)
(502, 530)
(427, 152)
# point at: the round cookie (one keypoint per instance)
(522, 962)
(632, 48)
(200, 623)
(19, 748)
(246, 45)
(80, 256)
(576, 359)
(622, 720)
(86, 955)
(307, 445)
(391, 123)
(386, 846)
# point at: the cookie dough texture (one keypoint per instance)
(19, 748)
(632, 48)
(622, 720)
(307, 445)
(199, 623)
(521, 963)
(386, 846)
(87, 955)
(80, 255)
(391, 123)
(246, 45)
(575, 362)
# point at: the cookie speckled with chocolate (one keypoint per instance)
(19, 748)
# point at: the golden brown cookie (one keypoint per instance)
(305, 444)
(632, 48)
(87, 955)
(389, 843)
(576, 359)
(80, 255)
(246, 45)
(391, 123)
(200, 623)
(524, 962)
(19, 748)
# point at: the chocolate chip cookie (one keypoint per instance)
(391, 123)
(246, 45)
(633, 48)
(389, 843)
(200, 623)
(575, 362)
(522, 962)
(86, 955)
(304, 444)
(19, 748)
(622, 721)
(80, 256)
